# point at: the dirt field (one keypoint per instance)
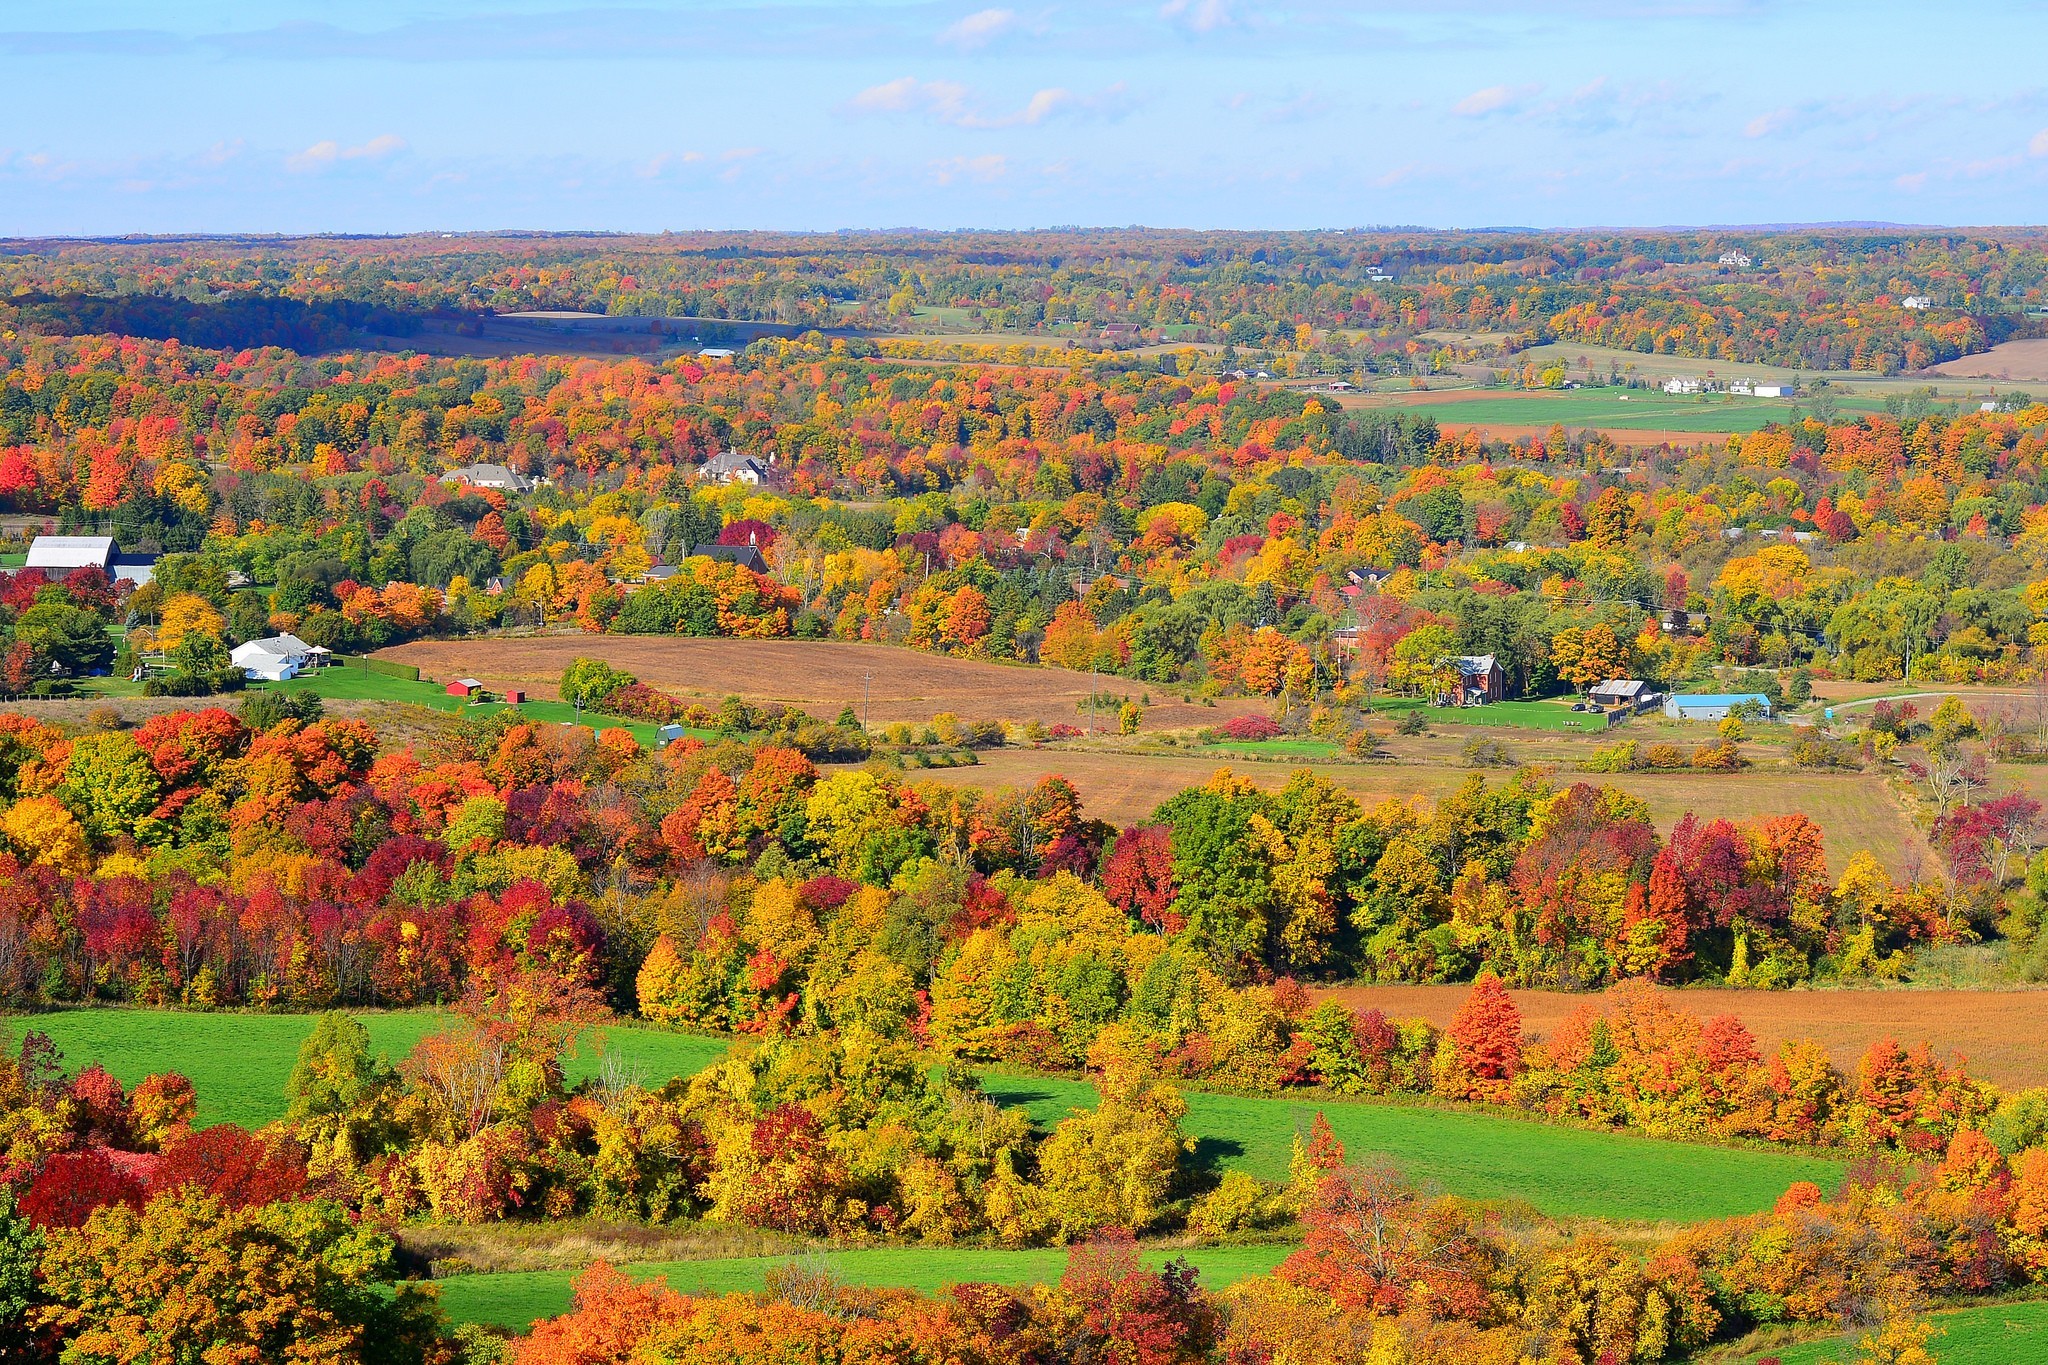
(1998, 1031)
(1853, 811)
(820, 676)
(2009, 360)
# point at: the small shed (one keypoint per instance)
(514, 697)
(667, 735)
(465, 687)
(1714, 705)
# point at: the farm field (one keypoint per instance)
(2025, 360)
(1998, 1031)
(515, 1299)
(1563, 1172)
(1987, 1334)
(239, 1062)
(1613, 409)
(359, 684)
(1125, 788)
(818, 675)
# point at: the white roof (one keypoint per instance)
(467, 682)
(275, 647)
(70, 552)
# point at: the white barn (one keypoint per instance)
(59, 555)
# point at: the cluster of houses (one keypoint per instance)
(1743, 388)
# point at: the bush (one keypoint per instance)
(209, 684)
(1488, 753)
(1665, 756)
(263, 711)
(1624, 757)
(637, 701)
(1412, 723)
(1250, 728)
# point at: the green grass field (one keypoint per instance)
(518, 1298)
(360, 684)
(1990, 1334)
(239, 1062)
(1563, 1172)
(1612, 408)
(1525, 715)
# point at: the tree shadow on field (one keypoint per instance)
(1211, 1152)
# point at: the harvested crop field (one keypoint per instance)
(1852, 809)
(820, 676)
(1999, 1032)
(2009, 360)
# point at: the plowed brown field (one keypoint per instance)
(2001, 1033)
(819, 675)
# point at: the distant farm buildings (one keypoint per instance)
(56, 556)
(1736, 260)
(1919, 303)
(278, 658)
(500, 477)
(1714, 705)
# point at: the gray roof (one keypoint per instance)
(1622, 687)
(489, 476)
(70, 552)
(1476, 663)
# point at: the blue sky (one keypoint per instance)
(396, 115)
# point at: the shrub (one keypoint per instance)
(637, 701)
(1250, 728)
(207, 684)
(1488, 753)
(1624, 757)
(1665, 756)
(1412, 723)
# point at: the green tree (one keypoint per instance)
(110, 784)
(333, 1096)
(21, 1251)
(67, 635)
(586, 681)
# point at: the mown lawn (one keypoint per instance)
(239, 1062)
(1563, 1172)
(1528, 715)
(1990, 1334)
(516, 1299)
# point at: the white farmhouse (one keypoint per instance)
(275, 659)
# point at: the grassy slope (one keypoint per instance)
(239, 1062)
(1564, 1172)
(362, 685)
(517, 1299)
(1991, 1334)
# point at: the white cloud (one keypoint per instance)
(1913, 183)
(953, 103)
(980, 28)
(2039, 146)
(1763, 125)
(1494, 99)
(982, 170)
(322, 155)
(1202, 16)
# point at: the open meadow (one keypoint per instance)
(239, 1062)
(820, 676)
(515, 1299)
(1125, 788)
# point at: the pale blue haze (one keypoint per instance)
(392, 115)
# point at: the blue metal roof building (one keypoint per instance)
(1713, 705)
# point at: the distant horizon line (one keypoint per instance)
(1376, 230)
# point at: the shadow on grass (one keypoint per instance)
(1211, 1151)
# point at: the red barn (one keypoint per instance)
(464, 687)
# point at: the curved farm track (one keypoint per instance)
(1998, 1032)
